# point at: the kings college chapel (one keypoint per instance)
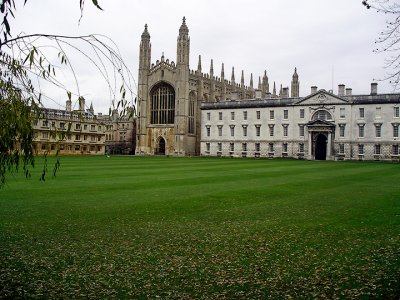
(183, 112)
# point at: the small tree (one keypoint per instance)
(23, 62)
(388, 40)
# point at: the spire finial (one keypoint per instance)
(233, 75)
(212, 67)
(199, 64)
(251, 80)
(242, 79)
(145, 33)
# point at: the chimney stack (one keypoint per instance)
(374, 88)
(258, 94)
(314, 89)
(285, 92)
(349, 92)
(341, 89)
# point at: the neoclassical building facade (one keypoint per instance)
(188, 112)
(321, 126)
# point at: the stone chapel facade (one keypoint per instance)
(170, 96)
(183, 112)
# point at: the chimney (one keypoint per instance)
(234, 96)
(68, 105)
(314, 89)
(374, 88)
(258, 94)
(341, 89)
(349, 92)
(285, 92)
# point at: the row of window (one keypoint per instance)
(271, 148)
(63, 125)
(322, 115)
(63, 147)
(46, 135)
(257, 147)
(361, 131)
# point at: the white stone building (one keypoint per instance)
(320, 126)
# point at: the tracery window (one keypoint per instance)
(192, 100)
(162, 104)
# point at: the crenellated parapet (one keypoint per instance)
(162, 64)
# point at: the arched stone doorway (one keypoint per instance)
(160, 149)
(320, 147)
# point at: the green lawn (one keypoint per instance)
(202, 228)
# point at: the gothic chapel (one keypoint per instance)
(170, 96)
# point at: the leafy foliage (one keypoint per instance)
(388, 40)
(24, 60)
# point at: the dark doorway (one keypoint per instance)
(161, 147)
(320, 147)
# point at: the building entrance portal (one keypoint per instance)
(320, 147)
(160, 147)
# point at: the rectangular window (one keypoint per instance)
(361, 130)
(44, 146)
(45, 135)
(219, 147)
(396, 112)
(361, 112)
(378, 131)
(271, 130)
(45, 123)
(258, 115)
(220, 130)
(77, 126)
(99, 128)
(245, 115)
(84, 137)
(301, 148)
(285, 129)
(361, 149)
(244, 130)
(77, 137)
(208, 130)
(341, 148)
(301, 130)
(84, 127)
(232, 147)
(271, 147)
(395, 130)
(232, 116)
(92, 127)
(220, 116)
(62, 125)
(285, 114)
(395, 150)
(378, 112)
(284, 147)
(341, 130)
(301, 113)
(271, 115)
(258, 130)
(342, 113)
(208, 147)
(377, 149)
(232, 130)
(208, 116)
(257, 147)
(53, 124)
(244, 147)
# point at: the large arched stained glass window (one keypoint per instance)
(162, 104)
(192, 102)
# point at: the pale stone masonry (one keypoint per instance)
(319, 126)
(188, 112)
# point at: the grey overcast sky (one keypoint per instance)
(330, 42)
